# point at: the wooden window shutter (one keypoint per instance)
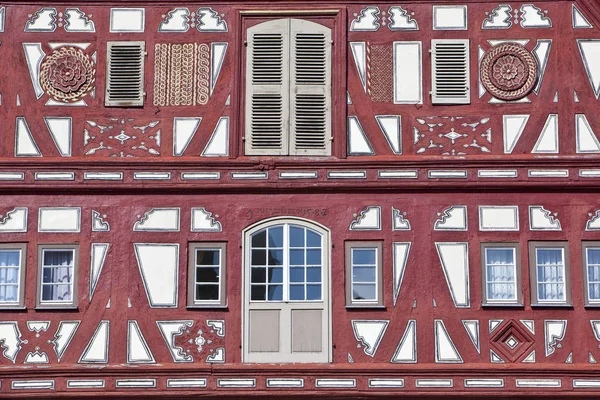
(125, 74)
(310, 89)
(450, 72)
(267, 89)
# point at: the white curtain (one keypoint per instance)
(57, 274)
(593, 264)
(500, 264)
(9, 276)
(550, 274)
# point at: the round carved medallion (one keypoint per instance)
(508, 71)
(67, 74)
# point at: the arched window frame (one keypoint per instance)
(326, 289)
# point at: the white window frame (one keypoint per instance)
(585, 247)
(533, 264)
(517, 298)
(40, 303)
(22, 249)
(221, 247)
(325, 304)
(351, 247)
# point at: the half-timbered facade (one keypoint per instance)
(299, 198)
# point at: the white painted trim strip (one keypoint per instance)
(285, 382)
(85, 383)
(186, 383)
(335, 383)
(298, 175)
(386, 383)
(12, 176)
(497, 173)
(135, 383)
(548, 173)
(434, 383)
(151, 175)
(589, 173)
(484, 383)
(249, 175)
(38, 384)
(538, 383)
(586, 383)
(446, 174)
(103, 176)
(236, 383)
(200, 175)
(346, 175)
(54, 176)
(398, 174)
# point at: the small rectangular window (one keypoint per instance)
(364, 274)
(549, 269)
(125, 74)
(57, 276)
(501, 274)
(206, 285)
(12, 275)
(590, 253)
(450, 78)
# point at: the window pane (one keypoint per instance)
(58, 258)
(313, 239)
(313, 292)
(297, 274)
(593, 256)
(56, 292)
(259, 257)
(207, 274)
(364, 274)
(207, 257)
(276, 237)
(9, 293)
(9, 258)
(56, 275)
(313, 257)
(275, 275)
(257, 292)
(207, 292)
(363, 292)
(296, 236)
(363, 256)
(275, 257)
(313, 274)
(594, 291)
(9, 275)
(297, 257)
(549, 256)
(296, 292)
(275, 292)
(499, 256)
(258, 275)
(259, 239)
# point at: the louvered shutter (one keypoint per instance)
(310, 88)
(450, 72)
(125, 74)
(267, 89)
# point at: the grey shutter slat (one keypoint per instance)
(125, 74)
(310, 88)
(267, 88)
(450, 72)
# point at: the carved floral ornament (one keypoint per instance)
(508, 71)
(67, 74)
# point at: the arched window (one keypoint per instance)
(286, 274)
